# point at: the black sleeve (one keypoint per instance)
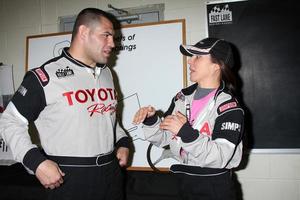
(30, 98)
(230, 125)
(30, 101)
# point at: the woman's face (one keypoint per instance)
(201, 68)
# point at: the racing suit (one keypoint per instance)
(73, 107)
(211, 145)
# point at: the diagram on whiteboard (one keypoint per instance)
(58, 47)
(131, 103)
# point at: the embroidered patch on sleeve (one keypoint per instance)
(41, 75)
(227, 106)
(231, 126)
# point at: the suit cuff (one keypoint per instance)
(123, 142)
(33, 158)
(187, 133)
(150, 120)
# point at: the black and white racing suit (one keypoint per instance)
(74, 109)
(212, 144)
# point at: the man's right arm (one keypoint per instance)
(24, 107)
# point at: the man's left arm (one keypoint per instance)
(122, 146)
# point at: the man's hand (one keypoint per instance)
(142, 114)
(122, 155)
(49, 174)
(173, 123)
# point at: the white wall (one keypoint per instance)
(265, 177)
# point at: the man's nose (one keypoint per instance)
(111, 42)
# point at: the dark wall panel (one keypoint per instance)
(266, 35)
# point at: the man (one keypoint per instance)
(72, 100)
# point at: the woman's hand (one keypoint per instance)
(143, 113)
(173, 123)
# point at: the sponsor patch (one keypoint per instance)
(227, 106)
(61, 73)
(42, 75)
(231, 126)
(205, 129)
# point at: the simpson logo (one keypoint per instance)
(219, 15)
(61, 73)
(231, 126)
(227, 106)
(42, 75)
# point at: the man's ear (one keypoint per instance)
(83, 32)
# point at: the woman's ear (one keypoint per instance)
(217, 67)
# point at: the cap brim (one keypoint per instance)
(190, 50)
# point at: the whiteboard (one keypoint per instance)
(149, 70)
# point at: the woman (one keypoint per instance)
(203, 125)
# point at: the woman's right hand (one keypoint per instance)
(143, 113)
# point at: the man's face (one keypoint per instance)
(100, 41)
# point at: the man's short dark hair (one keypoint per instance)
(88, 17)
